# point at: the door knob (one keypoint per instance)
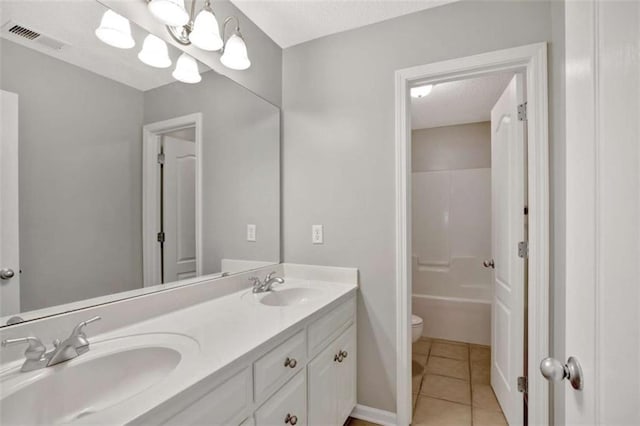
(489, 264)
(6, 273)
(554, 370)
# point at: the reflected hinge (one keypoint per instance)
(522, 112)
(161, 237)
(522, 384)
(161, 158)
(523, 249)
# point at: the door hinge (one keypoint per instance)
(522, 112)
(161, 237)
(523, 249)
(161, 158)
(522, 384)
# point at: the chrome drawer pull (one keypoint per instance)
(290, 362)
(292, 420)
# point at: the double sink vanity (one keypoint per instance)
(282, 355)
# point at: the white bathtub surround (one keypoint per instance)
(218, 326)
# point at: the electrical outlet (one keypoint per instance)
(317, 234)
(251, 232)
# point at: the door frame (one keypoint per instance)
(151, 140)
(532, 60)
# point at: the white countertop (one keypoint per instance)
(224, 330)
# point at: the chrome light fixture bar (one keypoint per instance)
(202, 30)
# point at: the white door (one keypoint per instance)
(9, 229)
(179, 209)
(507, 205)
(602, 314)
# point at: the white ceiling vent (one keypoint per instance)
(24, 33)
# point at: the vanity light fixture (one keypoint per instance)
(169, 12)
(203, 31)
(155, 52)
(186, 70)
(421, 91)
(115, 30)
(234, 51)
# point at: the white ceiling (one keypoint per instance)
(73, 22)
(291, 22)
(458, 102)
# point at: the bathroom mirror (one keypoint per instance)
(139, 167)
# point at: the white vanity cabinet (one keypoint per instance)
(307, 376)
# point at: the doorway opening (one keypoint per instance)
(441, 274)
(468, 191)
(172, 199)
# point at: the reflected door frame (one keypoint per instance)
(151, 185)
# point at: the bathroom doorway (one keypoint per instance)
(474, 204)
(172, 199)
(468, 206)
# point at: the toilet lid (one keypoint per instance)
(415, 320)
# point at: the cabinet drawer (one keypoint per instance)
(224, 405)
(288, 407)
(330, 326)
(279, 365)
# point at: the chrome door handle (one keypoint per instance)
(555, 371)
(489, 264)
(6, 273)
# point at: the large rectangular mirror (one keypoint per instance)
(118, 179)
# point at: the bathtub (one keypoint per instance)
(454, 299)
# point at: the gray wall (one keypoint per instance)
(80, 179)
(462, 146)
(241, 165)
(338, 151)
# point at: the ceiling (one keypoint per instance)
(458, 102)
(73, 23)
(291, 22)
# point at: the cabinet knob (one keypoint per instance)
(292, 420)
(290, 362)
(338, 357)
(344, 354)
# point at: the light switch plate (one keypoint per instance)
(317, 234)
(251, 232)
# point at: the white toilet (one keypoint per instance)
(416, 328)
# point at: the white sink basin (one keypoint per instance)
(110, 373)
(289, 296)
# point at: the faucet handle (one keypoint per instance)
(78, 328)
(35, 350)
(255, 281)
(269, 276)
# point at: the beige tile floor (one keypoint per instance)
(451, 386)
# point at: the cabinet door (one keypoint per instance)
(322, 385)
(288, 407)
(345, 371)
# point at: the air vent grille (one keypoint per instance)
(24, 32)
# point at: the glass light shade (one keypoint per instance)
(115, 30)
(235, 54)
(206, 33)
(155, 52)
(169, 12)
(421, 91)
(186, 70)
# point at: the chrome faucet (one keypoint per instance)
(269, 281)
(37, 356)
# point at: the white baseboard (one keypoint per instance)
(370, 414)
